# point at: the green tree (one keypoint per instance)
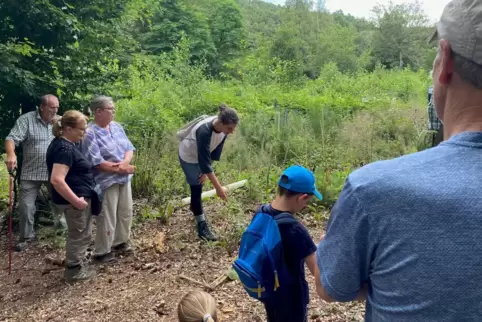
(56, 47)
(296, 36)
(401, 36)
(338, 44)
(173, 19)
(226, 28)
(261, 21)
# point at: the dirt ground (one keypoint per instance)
(148, 285)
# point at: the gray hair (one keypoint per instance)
(468, 70)
(99, 102)
(44, 99)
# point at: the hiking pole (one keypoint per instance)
(10, 223)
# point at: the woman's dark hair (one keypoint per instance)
(227, 115)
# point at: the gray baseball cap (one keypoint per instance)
(461, 26)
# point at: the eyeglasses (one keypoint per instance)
(80, 128)
(112, 109)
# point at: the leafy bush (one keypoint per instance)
(332, 125)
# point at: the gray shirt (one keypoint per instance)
(35, 135)
(410, 228)
(202, 145)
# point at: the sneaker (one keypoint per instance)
(23, 245)
(123, 249)
(79, 273)
(204, 232)
(108, 258)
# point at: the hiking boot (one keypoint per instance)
(108, 258)
(79, 273)
(123, 249)
(23, 245)
(204, 232)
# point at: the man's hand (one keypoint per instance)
(11, 162)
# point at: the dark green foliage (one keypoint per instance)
(328, 90)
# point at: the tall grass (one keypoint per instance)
(263, 146)
(4, 185)
(332, 125)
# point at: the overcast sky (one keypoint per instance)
(433, 8)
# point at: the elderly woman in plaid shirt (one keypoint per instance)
(106, 145)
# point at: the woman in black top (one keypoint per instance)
(73, 190)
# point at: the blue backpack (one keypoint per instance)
(260, 265)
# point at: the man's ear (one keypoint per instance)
(446, 63)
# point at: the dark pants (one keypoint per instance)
(289, 305)
(192, 171)
(438, 137)
(272, 315)
(196, 201)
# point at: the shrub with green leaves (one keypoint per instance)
(332, 125)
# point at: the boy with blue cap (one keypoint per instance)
(296, 188)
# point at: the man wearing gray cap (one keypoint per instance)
(406, 234)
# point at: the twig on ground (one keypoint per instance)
(195, 282)
(215, 284)
(95, 300)
(23, 265)
(218, 281)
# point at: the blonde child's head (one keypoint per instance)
(197, 306)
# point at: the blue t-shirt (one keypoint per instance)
(290, 304)
(411, 228)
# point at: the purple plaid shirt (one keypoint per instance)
(100, 145)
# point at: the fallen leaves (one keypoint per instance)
(159, 242)
(161, 308)
(52, 260)
(146, 286)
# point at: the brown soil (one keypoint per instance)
(147, 286)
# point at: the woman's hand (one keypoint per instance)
(80, 203)
(202, 178)
(125, 168)
(220, 190)
(129, 169)
(222, 193)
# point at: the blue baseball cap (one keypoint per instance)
(299, 179)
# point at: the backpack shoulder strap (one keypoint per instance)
(285, 218)
(282, 218)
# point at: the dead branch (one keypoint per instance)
(218, 281)
(195, 282)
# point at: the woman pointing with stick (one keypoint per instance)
(203, 144)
